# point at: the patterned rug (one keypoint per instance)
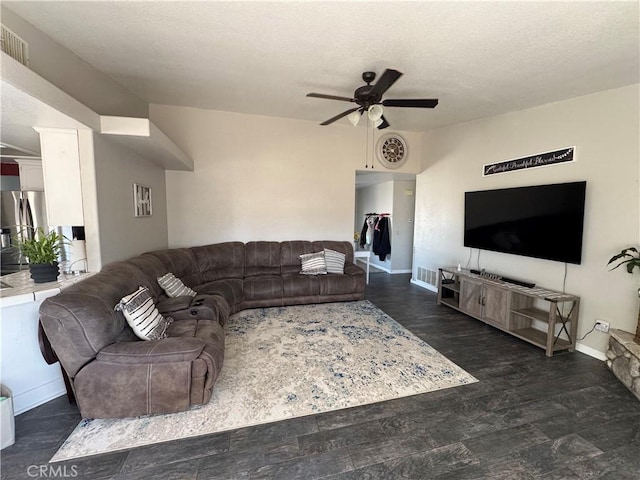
(287, 362)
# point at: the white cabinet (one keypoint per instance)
(22, 367)
(61, 166)
(31, 177)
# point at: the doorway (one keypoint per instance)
(392, 194)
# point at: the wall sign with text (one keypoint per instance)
(533, 161)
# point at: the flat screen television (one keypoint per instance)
(543, 221)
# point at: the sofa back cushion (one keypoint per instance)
(182, 263)
(220, 261)
(262, 258)
(342, 247)
(113, 282)
(152, 268)
(290, 252)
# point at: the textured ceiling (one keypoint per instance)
(479, 58)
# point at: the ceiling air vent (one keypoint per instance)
(14, 46)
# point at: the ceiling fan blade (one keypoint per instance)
(412, 103)
(384, 123)
(338, 117)
(387, 79)
(330, 97)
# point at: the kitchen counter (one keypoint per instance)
(22, 367)
(24, 290)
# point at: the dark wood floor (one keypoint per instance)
(528, 417)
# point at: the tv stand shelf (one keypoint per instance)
(512, 308)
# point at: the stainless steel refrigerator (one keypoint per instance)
(21, 213)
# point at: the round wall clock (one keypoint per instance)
(392, 150)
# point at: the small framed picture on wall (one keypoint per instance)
(142, 206)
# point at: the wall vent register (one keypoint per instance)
(14, 46)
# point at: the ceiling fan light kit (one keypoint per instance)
(369, 98)
(354, 117)
(375, 112)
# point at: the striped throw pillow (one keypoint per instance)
(335, 261)
(143, 316)
(174, 287)
(313, 264)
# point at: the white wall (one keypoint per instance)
(262, 178)
(605, 128)
(73, 75)
(121, 234)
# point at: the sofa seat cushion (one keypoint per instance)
(298, 285)
(158, 351)
(263, 287)
(335, 284)
(230, 289)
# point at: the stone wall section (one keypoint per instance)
(623, 358)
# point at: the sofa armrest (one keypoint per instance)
(166, 350)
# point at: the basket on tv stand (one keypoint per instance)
(512, 308)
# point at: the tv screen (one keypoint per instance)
(543, 221)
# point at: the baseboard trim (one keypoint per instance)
(36, 396)
(426, 286)
(592, 352)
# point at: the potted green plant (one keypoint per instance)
(630, 257)
(42, 249)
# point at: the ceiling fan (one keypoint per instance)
(369, 99)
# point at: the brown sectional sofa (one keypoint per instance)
(115, 374)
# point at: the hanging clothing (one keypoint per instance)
(366, 235)
(363, 234)
(381, 238)
(371, 225)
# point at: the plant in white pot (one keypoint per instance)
(630, 257)
(42, 249)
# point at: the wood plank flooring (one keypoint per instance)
(529, 417)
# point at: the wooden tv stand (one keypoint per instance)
(513, 308)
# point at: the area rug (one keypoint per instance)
(287, 362)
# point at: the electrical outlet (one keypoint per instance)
(602, 326)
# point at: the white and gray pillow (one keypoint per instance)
(174, 287)
(143, 316)
(334, 260)
(313, 264)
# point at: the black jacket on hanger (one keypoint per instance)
(381, 239)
